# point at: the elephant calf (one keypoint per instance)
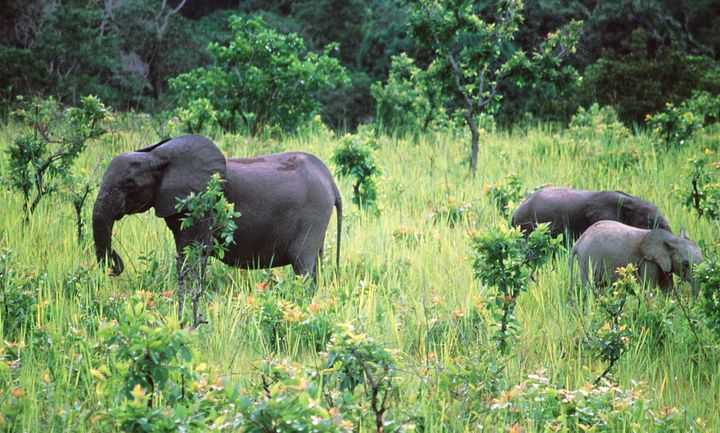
(573, 211)
(656, 253)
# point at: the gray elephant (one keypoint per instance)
(573, 211)
(656, 253)
(285, 200)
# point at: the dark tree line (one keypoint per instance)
(125, 51)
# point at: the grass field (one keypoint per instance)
(402, 274)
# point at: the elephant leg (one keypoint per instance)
(198, 293)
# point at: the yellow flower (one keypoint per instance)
(138, 392)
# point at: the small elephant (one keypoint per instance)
(573, 211)
(285, 201)
(656, 253)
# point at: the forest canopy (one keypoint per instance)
(634, 56)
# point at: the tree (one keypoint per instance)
(261, 78)
(474, 52)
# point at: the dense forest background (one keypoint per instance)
(633, 55)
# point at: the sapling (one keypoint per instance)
(354, 157)
(41, 159)
(505, 260)
(612, 333)
(212, 209)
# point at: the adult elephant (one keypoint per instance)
(285, 201)
(574, 210)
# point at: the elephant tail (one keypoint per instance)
(338, 209)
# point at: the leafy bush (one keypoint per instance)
(151, 363)
(596, 122)
(452, 211)
(40, 159)
(290, 400)
(18, 295)
(211, 209)
(611, 333)
(505, 196)
(261, 79)
(197, 116)
(702, 187)
(638, 84)
(505, 260)
(283, 306)
(354, 157)
(355, 359)
(678, 124)
(708, 276)
(403, 104)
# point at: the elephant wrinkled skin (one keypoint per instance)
(285, 200)
(608, 245)
(573, 211)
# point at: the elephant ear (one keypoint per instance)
(190, 161)
(656, 247)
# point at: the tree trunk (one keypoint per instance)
(470, 119)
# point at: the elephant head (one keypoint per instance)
(676, 254)
(639, 213)
(155, 176)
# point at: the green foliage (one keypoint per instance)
(708, 276)
(148, 353)
(289, 401)
(216, 215)
(355, 359)
(474, 53)
(505, 196)
(151, 364)
(678, 124)
(197, 117)
(452, 211)
(612, 334)
(598, 122)
(39, 160)
(505, 260)
(282, 308)
(18, 295)
(638, 84)
(403, 104)
(702, 187)
(354, 157)
(211, 208)
(261, 79)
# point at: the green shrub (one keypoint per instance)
(260, 79)
(39, 160)
(505, 260)
(678, 124)
(402, 103)
(702, 187)
(354, 157)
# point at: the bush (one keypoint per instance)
(702, 187)
(402, 104)
(261, 79)
(637, 85)
(43, 157)
(505, 260)
(353, 157)
(678, 124)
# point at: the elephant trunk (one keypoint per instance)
(103, 220)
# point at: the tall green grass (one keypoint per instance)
(384, 285)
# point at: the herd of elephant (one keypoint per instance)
(286, 200)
